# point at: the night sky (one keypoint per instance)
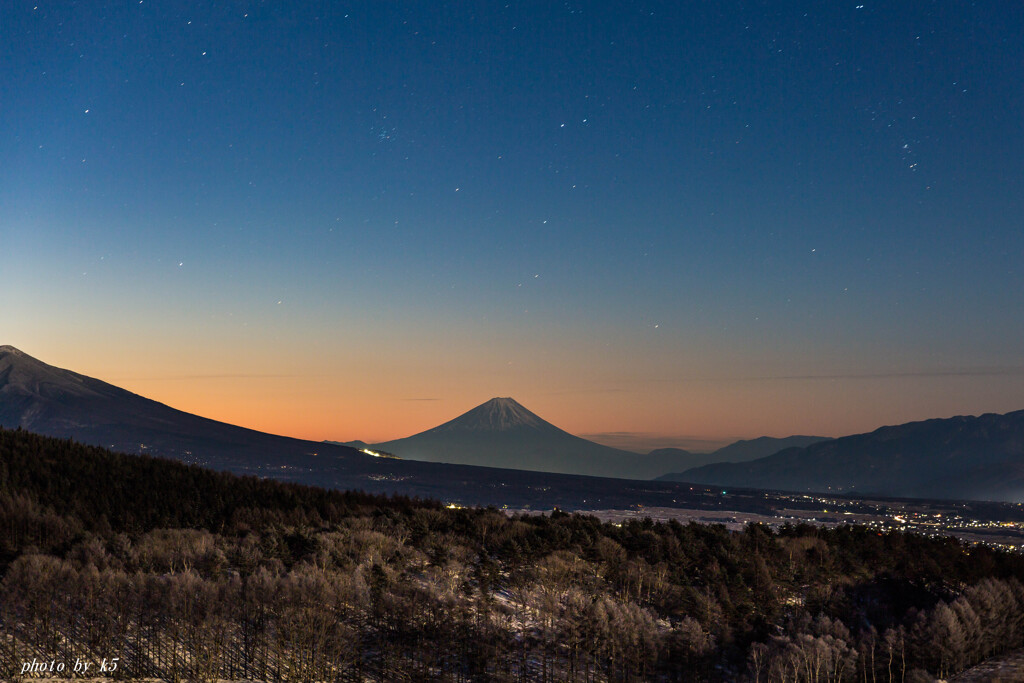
(664, 222)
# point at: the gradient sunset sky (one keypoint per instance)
(670, 223)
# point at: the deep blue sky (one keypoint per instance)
(685, 219)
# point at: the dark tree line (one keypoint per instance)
(187, 574)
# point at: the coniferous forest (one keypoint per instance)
(186, 574)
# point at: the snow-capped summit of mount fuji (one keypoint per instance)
(498, 414)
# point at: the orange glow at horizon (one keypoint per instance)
(359, 406)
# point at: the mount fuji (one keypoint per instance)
(502, 433)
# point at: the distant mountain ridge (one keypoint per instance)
(971, 457)
(741, 451)
(763, 446)
(502, 433)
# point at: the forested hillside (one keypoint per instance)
(183, 573)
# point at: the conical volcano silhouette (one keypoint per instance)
(503, 433)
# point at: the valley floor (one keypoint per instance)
(889, 517)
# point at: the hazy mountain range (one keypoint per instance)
(959, 457)
(740, 451)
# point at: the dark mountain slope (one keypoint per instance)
(960, 457)
(56, 402)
